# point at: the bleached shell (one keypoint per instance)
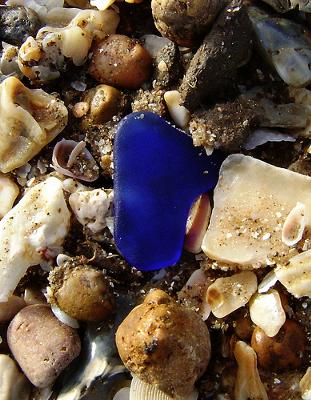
(305, 385)
(197, 223)
(268, 281)
(251, 201)
(248, 384)
(296, 275)
(266, 311)
(179, 113)
(30, 119)
(63, 317)
(39, 222)
(294, 225)
(140, 390)
(91, 208)
(228, 294)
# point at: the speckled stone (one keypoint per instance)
(158, 175)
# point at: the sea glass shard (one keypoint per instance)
(158, 175)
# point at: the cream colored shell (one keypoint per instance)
(252, 200)
(305, 385)
(30, 119)
(37, 224)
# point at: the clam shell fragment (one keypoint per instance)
(294, 225)
(30, 119)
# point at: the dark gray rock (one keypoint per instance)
(226, 48)
(17, 23)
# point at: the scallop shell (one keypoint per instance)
(65, 154)
(294, 225)
(144, 391)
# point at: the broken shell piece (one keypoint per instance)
(294, 225)
(63, 317)
(8, 193)
(102, 4)
(140, 390)
(39, 222)
(8, 61)
(266, 311)
(91, 208)
(296, 275)
(226, 295)
(251, 201)
(305, 385)
(268, 281)
(197, 224)
(178, 112)
(30, 119)
(262, 136)
(72, 159)
(248, 384)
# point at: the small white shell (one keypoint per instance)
(63, 317)
(268, 281)
(294, 225)
(179, 113)
(144, 391)
(266, 311)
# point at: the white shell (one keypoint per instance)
(294, 225)
(63, 317)
(268, 281)
(179, 113)
(266, 311)
(226, 295)
(144, 391)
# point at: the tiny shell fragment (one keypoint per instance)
(294, 225)
(38, 223)
(248, 384)
(197, 224)
(252, 200)
(226, 295)
(30, 119)
(267, 312)
(178, 112)
(305, 385)
(296, 275)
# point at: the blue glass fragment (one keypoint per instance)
(158, 174)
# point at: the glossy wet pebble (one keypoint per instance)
(121, 61)
(158, 175)
(17, 23)
(41, 344)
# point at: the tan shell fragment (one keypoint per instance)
(251, 202)
(226, 295)
(296, 275)
(305, 385)
(248, 384)
(8, 193)
(30, 119)
(294, 225)
(266, 311)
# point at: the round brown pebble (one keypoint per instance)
(164, 343)
(42, 345)
(10, 308)
(185, 22)
(82, 292)
(120, 61)
(283, 351)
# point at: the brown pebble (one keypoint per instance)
(120, 61)
(92, 299)
(42, 345)
(283, 351)
(164, 343)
